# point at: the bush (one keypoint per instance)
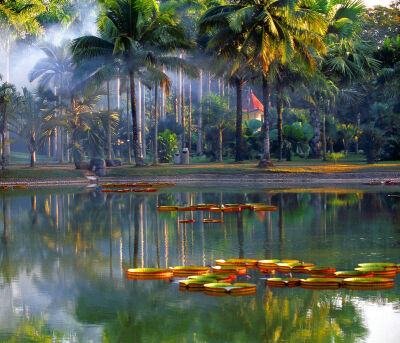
(167, 143)
(334, 156)
(371, 142)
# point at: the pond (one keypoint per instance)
(64, 253)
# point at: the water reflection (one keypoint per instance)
(63, 256)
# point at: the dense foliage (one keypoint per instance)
(158, 77)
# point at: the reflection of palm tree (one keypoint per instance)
(5, 219)
(280, 222)
(110, 223)
(136, 235)
(315, 317)
(240, 234)
(33, 213)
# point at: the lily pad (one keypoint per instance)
(376, 264)
(149, 272)
(353, 273)
(242, 262)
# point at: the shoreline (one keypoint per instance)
(271, 179)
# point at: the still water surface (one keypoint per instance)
(63, 254)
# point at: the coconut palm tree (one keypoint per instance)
(130, 29)
(347, 59)
(268, 31)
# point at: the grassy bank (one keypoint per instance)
(308, 167)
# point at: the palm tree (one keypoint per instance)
(7, 91)
(156, 78)
(218, 117)
(18, 19)
(55, 72)
(130, 29)
(347, 59)
(30, 122)
(268, 31)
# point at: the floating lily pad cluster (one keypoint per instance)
(214, 208)
(139, 187)
(218, 282)
(367, 276)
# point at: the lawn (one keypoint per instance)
(301, 166)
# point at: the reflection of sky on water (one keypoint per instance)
(66, 266)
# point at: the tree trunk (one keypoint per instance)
(67, 152)
(357, 127)
(324, 135)
(118, 93)
(33, 149)
(143, 140)
(136, 146)
(229, 97)
(220, 144)
(128, 129)
(49, 146)
(183, 114)
(33, 159)
(108, 122)
(60, 149)
(155, 140)
(315, 142)
(3, 136)
(140, 116)
(279, 111)
(266, 158)
(190, 116)
(239, 114)
(163, 100)
(199, 149)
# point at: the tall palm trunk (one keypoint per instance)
(136, 146)
(49, 146)
(315, 142)
(140, 115)
(118, 93)
(190, 116)
(33, 149)
(60, 148)
(266, 158)
(199, 149)
(239, 117)
(220, 143)
(155, 140)
(128, 129)
(180, 100)
(108, 122)
(143, 140)
(183, 114)
(3, 134)
(324, 134)
(163, 99)
(279, 111)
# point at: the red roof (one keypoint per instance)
(255, 104)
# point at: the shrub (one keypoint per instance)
(167, 143)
